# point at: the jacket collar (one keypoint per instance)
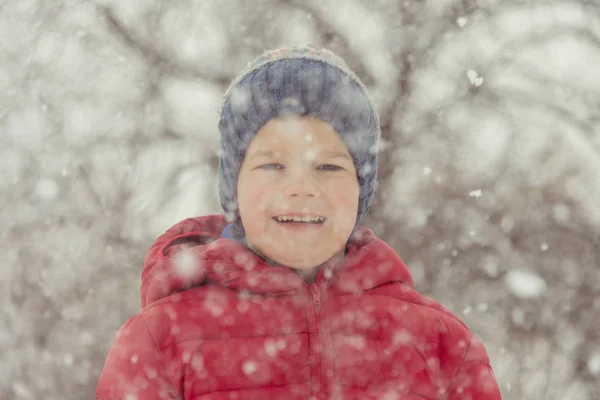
(168, 269)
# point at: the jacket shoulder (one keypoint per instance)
(428, 307)
(134, 366)
(455, 344)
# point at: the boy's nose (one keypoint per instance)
(301, 187)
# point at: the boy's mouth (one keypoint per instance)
(300, 219)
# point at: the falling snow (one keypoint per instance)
(593, 363)
(461, 21)
(474, 78)
(525, 284)
(489, 160)
(475, 193)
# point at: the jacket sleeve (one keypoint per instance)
(474, 379)
(134, 368)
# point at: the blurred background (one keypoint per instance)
(490, 165)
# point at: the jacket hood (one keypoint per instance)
(193, 252)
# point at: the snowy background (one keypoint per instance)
(490, 167)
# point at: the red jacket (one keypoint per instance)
(218, 323)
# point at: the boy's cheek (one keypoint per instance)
(261, 181)
(345, 219)
(254, 200)
(256, 188)
(259, 195)
(343, 195)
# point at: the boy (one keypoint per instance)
(288, 297)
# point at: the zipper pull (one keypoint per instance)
(316, 293)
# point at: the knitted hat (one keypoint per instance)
(297, 81)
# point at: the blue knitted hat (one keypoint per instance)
(297, 81)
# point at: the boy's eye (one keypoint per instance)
(271, 166)
(329, 167)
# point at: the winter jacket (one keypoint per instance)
(218, 322)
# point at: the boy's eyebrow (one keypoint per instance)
(273, 154)
(337, 154)
(263, 153)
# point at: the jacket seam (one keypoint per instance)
(229, 338)
(106, 395)
(445, 312)
(462, 361)
(307, 333)
(160, 356)
(282, 386)
(200, 393)
(171, 239)
(165, 300)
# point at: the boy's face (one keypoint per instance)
(298, 167)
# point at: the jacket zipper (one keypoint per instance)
(316, 295)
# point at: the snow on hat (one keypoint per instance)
(297, 81)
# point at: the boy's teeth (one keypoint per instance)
(299, 219)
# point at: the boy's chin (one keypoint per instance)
(302, 258)
(301, 265)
